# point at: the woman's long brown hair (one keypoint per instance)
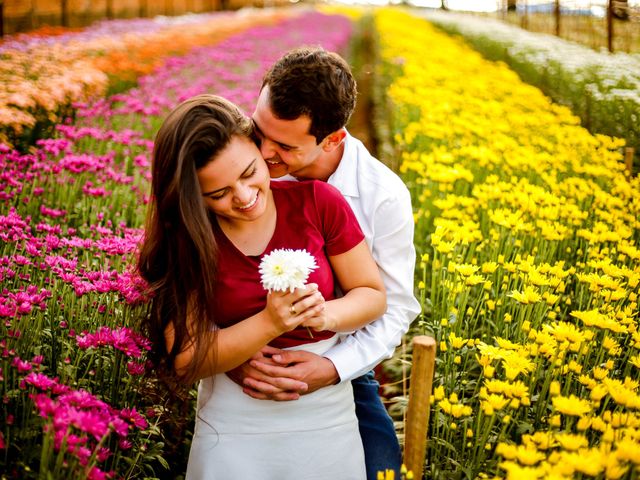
(178, 255)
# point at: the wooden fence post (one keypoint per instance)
(415, 432)
(628, 159)
(142, 12)
(64, 13)
(610, 25)
(109, 9)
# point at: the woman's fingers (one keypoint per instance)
(290, 309)
(300, 306)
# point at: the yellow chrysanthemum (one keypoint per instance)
(571, 405)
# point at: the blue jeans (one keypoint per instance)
(381, 447)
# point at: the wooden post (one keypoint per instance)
(32, 15)
(628, 159)
(143, 9)
(109, 9)
(415, 432)
(610, 25)
(64, 13)
(556, 12)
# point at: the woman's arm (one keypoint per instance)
(364, 297)
(237, 343)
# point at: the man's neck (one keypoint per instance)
(325, 165)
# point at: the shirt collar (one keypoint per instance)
(345, 178)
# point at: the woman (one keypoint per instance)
(213, 215)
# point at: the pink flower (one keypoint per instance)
(103, 454)
(96, 474)
(40, 380)
(135, 368)
(132, 415)
(21, 365)
(125, 444)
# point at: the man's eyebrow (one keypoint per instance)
(244, 172)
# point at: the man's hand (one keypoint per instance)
(258, 385)
(282, 375)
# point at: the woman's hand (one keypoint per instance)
(287, 310)
(321, 321)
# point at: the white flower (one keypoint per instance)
(286, 269)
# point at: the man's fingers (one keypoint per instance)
(275, 371)
(276, 385)
(268, 351)
(279, 397)
(290, 356)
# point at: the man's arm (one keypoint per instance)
(394, 253)
(362, 350)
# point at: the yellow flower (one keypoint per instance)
(489, 267)
(516, 364)
(529, 295)
(571, 405)
(456, 342)
(593, 318)
(571, 442)
(496, 402)
(466, 270)
(516, 472)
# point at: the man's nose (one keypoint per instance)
(267, 148)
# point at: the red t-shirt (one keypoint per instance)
(312, 215)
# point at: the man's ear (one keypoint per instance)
(333, 140)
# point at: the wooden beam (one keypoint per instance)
(628, 159)
(64, 13)
(610, 25)
(416, 428)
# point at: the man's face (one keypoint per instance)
(286, 145)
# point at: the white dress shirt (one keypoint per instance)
(382, 205)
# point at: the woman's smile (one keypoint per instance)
(251, 204)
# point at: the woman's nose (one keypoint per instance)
(244, 194)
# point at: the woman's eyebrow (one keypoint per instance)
(244, 172)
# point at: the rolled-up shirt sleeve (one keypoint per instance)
(394, 252)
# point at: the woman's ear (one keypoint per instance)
(333, 140)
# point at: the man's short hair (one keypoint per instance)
(313, 82)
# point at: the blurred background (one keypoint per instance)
(611, 24)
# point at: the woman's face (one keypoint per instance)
(235, 183)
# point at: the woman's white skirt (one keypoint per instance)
(237, 437)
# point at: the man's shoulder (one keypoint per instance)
(377, 178)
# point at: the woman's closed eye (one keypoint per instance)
(220, 194)
(251, 173)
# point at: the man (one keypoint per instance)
(305, 102)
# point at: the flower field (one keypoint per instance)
(75, 404)
(526, 225)
(528, 231)
(601, 88)
(42, 77)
